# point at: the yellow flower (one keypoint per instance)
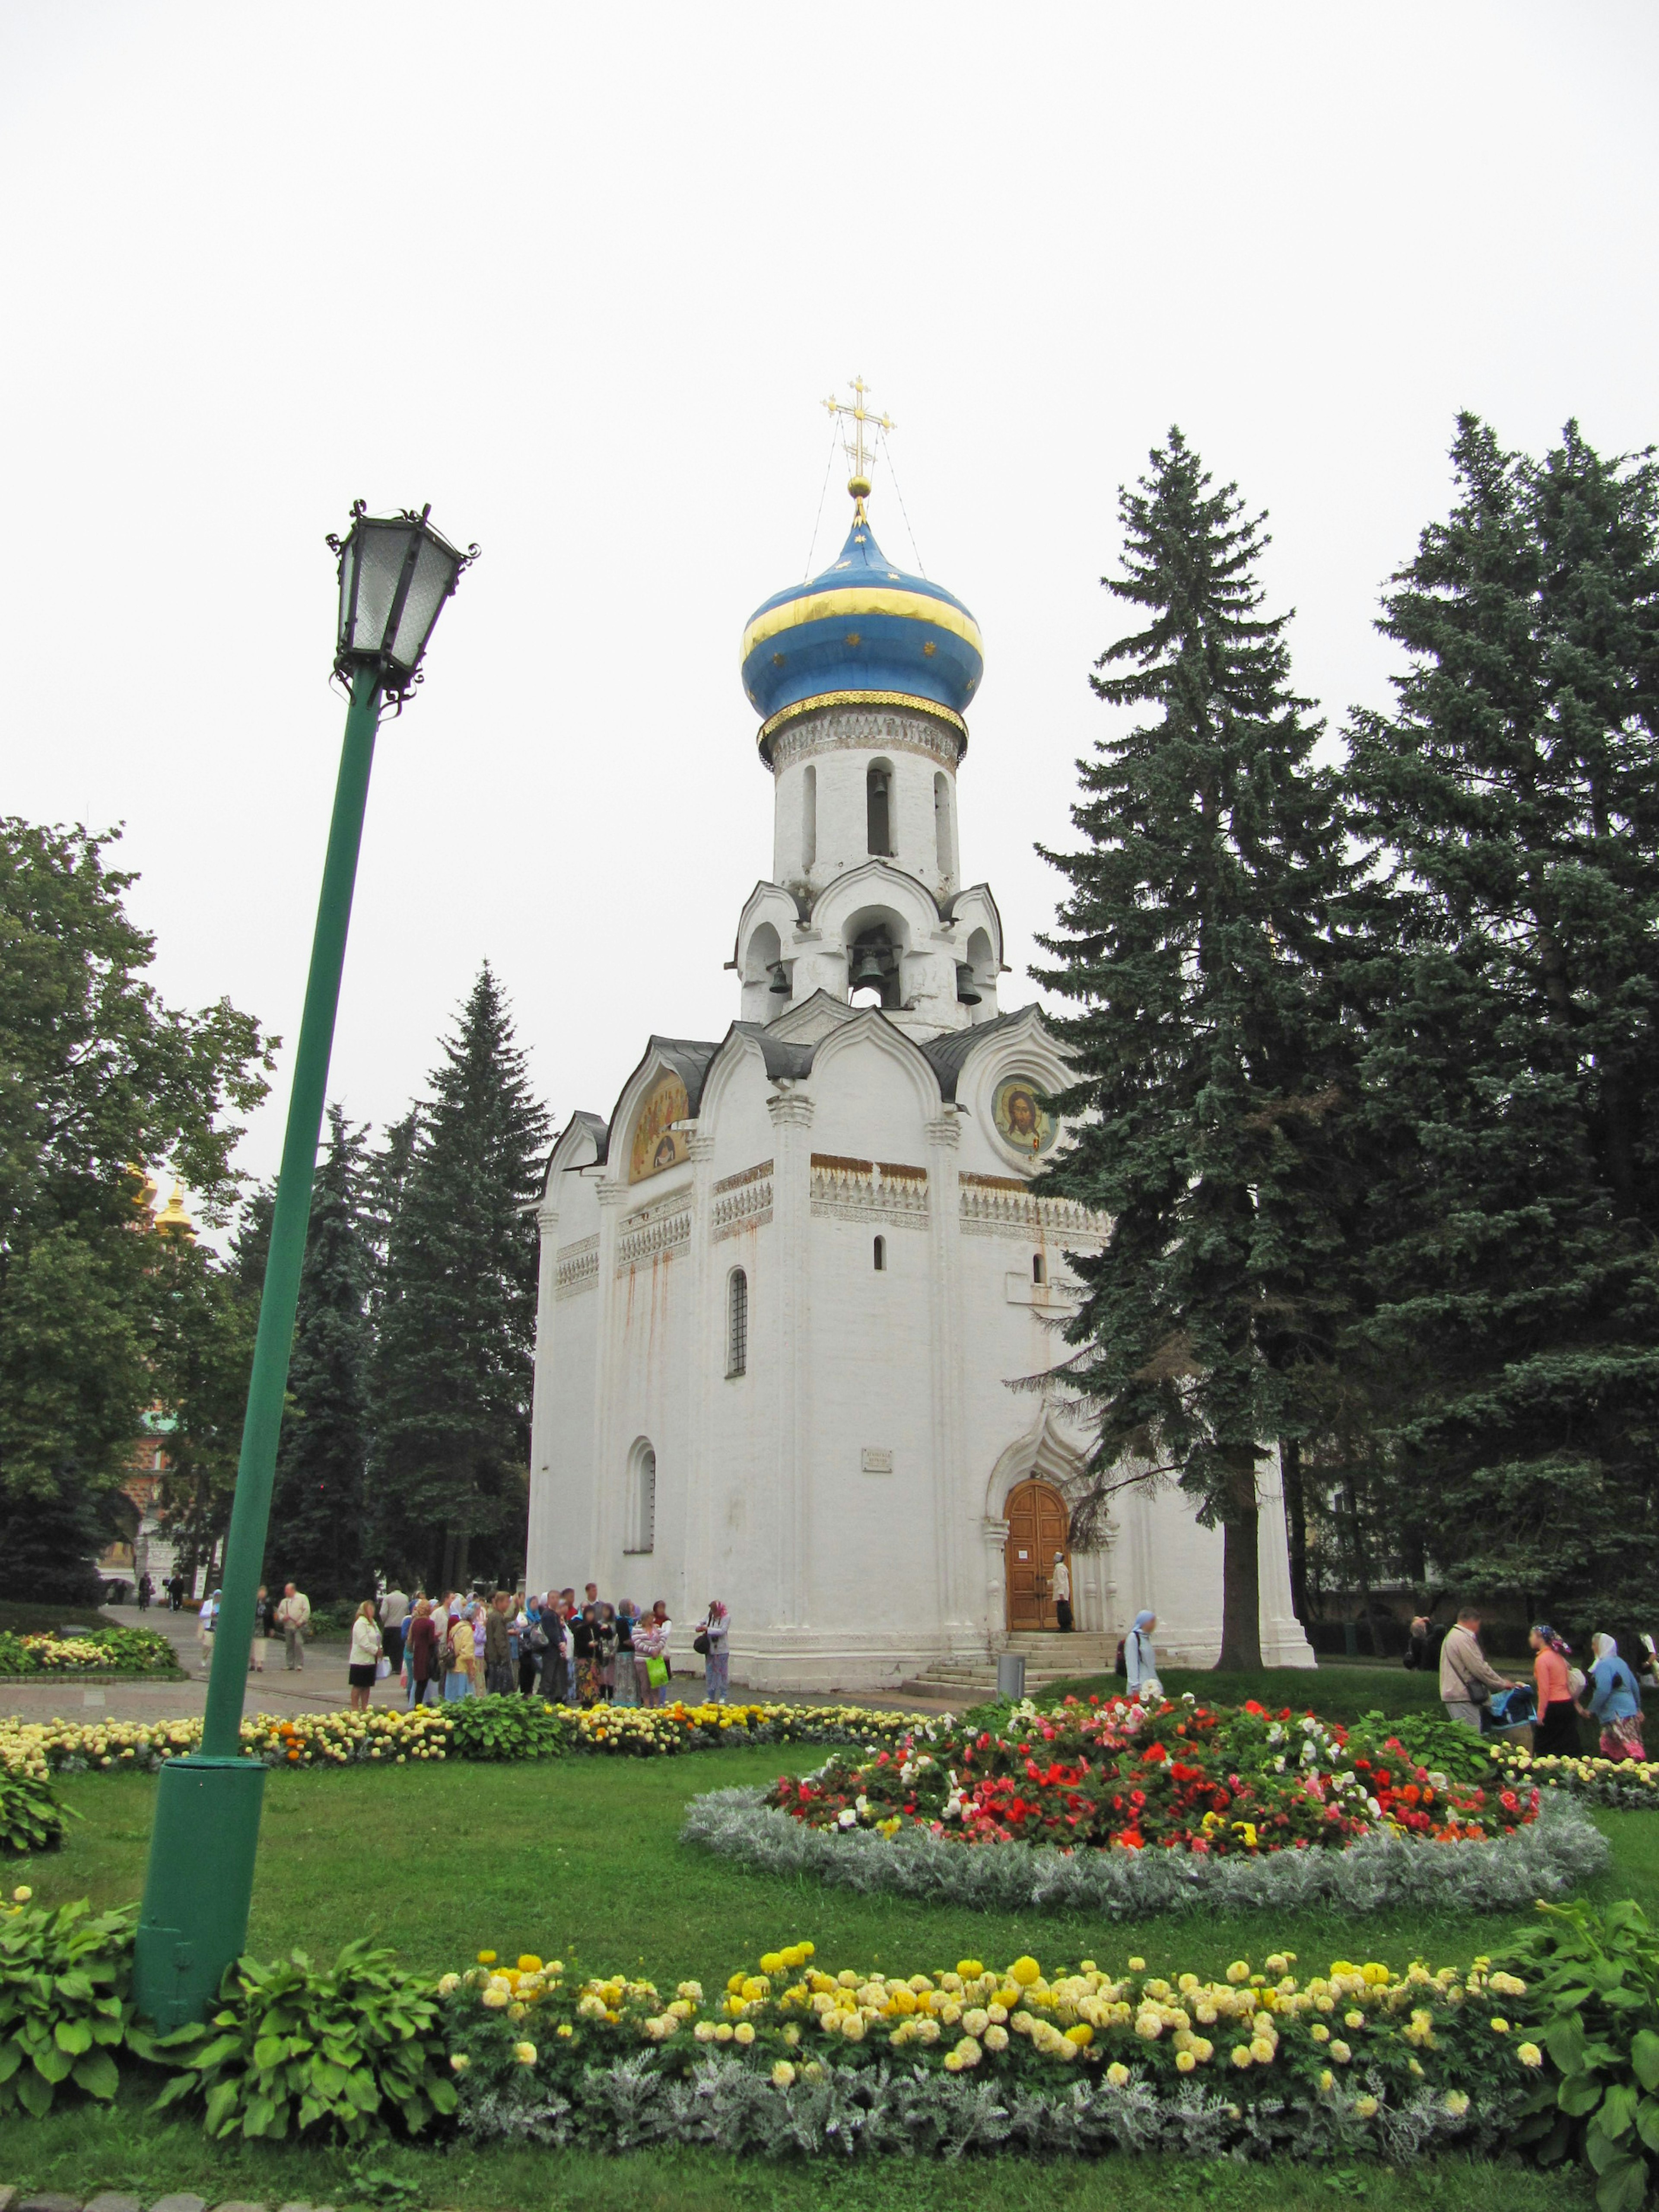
(23, 1894)
(969, 1969)
(459, 2061)
(1340, 2052)
(1081, 2034)
(565, 2028)
(1529, 2054)
(525, 2053)
(1353, 2019)
(1500, 2027)
(1185, 2061)
(1137, 1965)
(1024, 1971)
(486, 1958)
(1117, 2073)
(782, 2074)
(996, 2039)
(743, 2033)
(1457, 2102)
(1239, 1971)
(529, 1963)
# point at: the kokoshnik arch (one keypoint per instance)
(785, 1286)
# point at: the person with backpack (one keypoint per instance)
(532, 1643)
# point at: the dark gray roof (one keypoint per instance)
(597, 1127)
(780, 1058)
(689, 1057)
(948, 1053)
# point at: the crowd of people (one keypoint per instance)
(1606, 1691)
(571, 1651)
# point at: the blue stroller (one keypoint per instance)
(1508, 1711)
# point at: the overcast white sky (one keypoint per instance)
(580, 278)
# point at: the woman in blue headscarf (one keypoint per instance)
(1615, 1702)
(1141, 1660)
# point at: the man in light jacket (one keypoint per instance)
(1462, 1665)
(293, 1618)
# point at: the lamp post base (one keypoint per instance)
(193, 1922)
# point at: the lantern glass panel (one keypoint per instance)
(381, 547)
(428, 587)
(347, 571)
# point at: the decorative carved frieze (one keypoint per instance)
(741, 1201)
(869, 1190)
(654, 1231)
(845, 729)
(1002, 1206)
(577, 1269)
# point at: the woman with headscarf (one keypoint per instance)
(1556, 1733)
(1141, 1660)
(1615, 1702)
(627, 1689)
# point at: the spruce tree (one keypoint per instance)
(457, 1314)
(1513, 1047)
(317, 1536)
(1195, 941)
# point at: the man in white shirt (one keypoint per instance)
(1060, 1583)
(293, 1618)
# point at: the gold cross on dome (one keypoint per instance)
(851, 419)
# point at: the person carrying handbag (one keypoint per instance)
(710, 1645)
(1467, 1678)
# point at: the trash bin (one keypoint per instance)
(1011, 1675)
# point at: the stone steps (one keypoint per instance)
(1049, 1656)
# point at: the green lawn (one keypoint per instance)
(580, 1858)
(1336, 1692)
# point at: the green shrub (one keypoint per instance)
(1428, 1739)
(1593, 1989)
(506, 1728)
(64, 2007)
(294, 2048)
(31, 1818)
(13, 1659)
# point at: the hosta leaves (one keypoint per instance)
(1644, 2057)
(96, 2075)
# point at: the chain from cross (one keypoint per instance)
(851, 418)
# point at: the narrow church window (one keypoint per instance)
(809, 818)
(1039, 1273)
(881, 1255)
(878, 807)
(942, 822)
(737, 1324)
(642, 1501)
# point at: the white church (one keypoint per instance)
(787, 1283)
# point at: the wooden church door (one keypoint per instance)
(1037, 1523)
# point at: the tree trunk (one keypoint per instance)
(1295, 1524)
(464, 1561)
(1241, 1578)
(446, 1578)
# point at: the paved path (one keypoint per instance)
(319, 1687)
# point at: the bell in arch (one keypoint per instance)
(780, 984)
(867, 972)
(966, 993)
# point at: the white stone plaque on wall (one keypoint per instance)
(876, 1459)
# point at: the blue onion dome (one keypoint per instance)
(863, 632)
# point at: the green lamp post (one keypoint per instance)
(395, 575)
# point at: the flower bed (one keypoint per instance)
(790, 2058)
(1180, 1775)
(98, 1651)
(481, 1728)
(1551, 1855)
(1631, 1785)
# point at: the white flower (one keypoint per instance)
(846, 1818)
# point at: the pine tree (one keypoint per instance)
(1194, 939)
(457, 1311)
(318, 1528)
(1513, 1050)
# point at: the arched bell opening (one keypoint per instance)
(766, 981)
